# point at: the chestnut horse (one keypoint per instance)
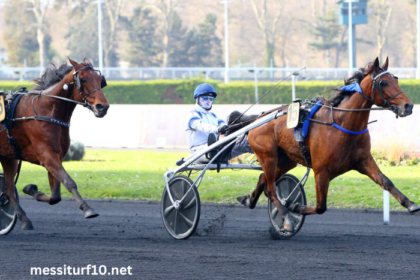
(333, 152)
(45, 140)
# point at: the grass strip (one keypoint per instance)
(138, 175)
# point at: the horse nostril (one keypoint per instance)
(99, 107)
(408, 107)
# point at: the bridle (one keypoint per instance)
(377, 85)
(76, 80)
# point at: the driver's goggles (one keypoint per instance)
(211, 98)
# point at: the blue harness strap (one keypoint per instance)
(307, 122)
(315, 108)
(349, 131)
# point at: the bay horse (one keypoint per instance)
(41, 131)
(333, 152)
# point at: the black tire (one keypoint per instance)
(8, 217)
(284, 186)
(181, 224)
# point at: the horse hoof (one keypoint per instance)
(90, 213)
(27, 225)
(244, 200)
(413, 208)
(53, 201)
(288, 225)
(30, 189)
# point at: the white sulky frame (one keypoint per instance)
(231, 139)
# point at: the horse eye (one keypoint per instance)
(83, 80)
(384, 84)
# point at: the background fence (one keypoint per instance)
(217, 73)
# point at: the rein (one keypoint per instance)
(256, 102)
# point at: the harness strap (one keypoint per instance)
(13, 143)
(349, 131)
(44, 119)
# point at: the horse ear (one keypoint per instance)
(76, 66)
(87, 61)
(385, 66)
(376, 63)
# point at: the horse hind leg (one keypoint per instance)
(55, 197)
(284, 165)
(271, 166)
(250, 201)
(9, 188)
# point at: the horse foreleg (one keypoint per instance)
(368, 167)
(55, 197)
(322, 182)
(57, 170)
(9, 188)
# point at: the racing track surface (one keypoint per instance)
(233, 243)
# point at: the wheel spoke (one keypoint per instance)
(295, 199)
(295, 217)
(7, 214)
(190, 204)
(274, 212)
(175, 219)
(183, 188)
(174, 193)
(188, 221)
(168, 210)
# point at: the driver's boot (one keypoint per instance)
(210, 141)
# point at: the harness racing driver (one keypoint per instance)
(203, 125)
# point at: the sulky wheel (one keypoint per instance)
(285, 186)
(8, 217)
(180, 223)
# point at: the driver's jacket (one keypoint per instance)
(200, 124)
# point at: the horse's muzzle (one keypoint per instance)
(408, 109)
(100, 110)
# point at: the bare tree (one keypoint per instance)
(165, 9)
(382, 13)
(39, 9)
(412, 36)
(268, 29)
(114, 9)
(340, 46)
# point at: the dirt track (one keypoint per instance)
(336, 245)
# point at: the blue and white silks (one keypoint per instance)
(354, 87)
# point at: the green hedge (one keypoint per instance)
(181, 91)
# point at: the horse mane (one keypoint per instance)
(52, 76)
(340, 95)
